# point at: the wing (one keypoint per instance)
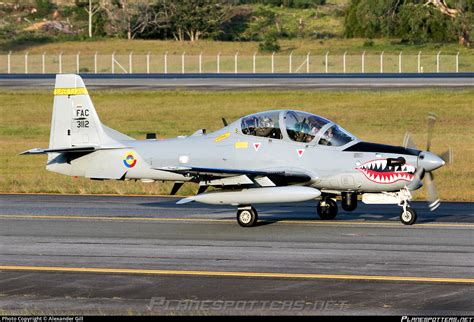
(233, 177)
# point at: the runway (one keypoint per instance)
(216, 82)
(146, 255)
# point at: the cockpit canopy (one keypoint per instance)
(296, 126)
(265, 124)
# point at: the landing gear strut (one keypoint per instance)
(247, 216)
(407, 214)
(327, 208)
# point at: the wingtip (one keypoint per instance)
(185, 200)
(33, 151)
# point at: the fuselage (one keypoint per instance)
(328, 167)
(352, 166)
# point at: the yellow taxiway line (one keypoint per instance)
(104, 218)
(208, 220)
(237, 274)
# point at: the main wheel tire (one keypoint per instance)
(328, 211)
(408, 216)
(247, 217)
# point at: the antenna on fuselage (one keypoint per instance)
(224, 121)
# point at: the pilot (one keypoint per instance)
(302, 131)
(266, 126)
(315, 125)
(327, 136)
(250, 126)
(308, 138)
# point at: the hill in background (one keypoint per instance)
(229, 26)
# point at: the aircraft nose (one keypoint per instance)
(430, 161)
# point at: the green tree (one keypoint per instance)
(411, 20)
(190, 19)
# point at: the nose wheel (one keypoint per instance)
(247, 216)
(408, 216)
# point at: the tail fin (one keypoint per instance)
(75, 121)
(75, 126)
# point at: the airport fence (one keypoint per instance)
(257, 63)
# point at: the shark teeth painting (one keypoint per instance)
(380, 172)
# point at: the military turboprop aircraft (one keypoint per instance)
(269, 157)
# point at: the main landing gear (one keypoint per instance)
(327, 208)
(247, 216)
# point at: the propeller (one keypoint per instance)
(408, 142)
(447, 156)
(431, 121)
(427, 163)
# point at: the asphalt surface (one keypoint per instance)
(145, 255)
(215, 82)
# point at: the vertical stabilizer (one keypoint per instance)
(75, 121)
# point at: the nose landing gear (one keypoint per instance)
(408, 216)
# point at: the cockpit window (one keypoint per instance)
(303, 127)
(264, 124)
(335, 136)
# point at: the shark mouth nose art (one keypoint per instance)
(380, 172)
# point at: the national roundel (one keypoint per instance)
(130, 160)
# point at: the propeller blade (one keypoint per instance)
(408, 142)
(433, 199)
(431, 121)
(447, 156)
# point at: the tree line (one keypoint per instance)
(413, 21)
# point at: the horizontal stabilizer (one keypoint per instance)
(76, 149)
(80, 149)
